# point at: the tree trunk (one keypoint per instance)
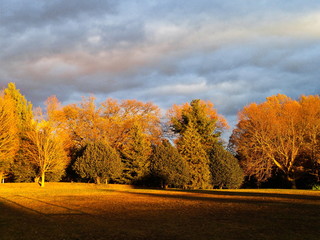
(37, 179)
(293, 183)
(42, 179)
(98, 180)
(1, 177)
(106, 181)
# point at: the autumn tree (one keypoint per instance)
(225, 169)
(99, 161)
(21, 168)
(82, 121)
(22, 108)
(311, 149)
(46, 151)
(120, 116)
(9, 140)
(272, 135)
(167, 166)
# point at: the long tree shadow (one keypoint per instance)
(250, 194)
(233, 197)
(21, 223)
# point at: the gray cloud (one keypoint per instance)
(169, 52)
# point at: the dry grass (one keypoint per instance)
(87, 211)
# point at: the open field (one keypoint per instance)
(87, 211)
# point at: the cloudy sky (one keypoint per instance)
(165, 51)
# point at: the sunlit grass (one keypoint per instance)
(89, 211)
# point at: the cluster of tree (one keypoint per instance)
(280, 137)
(117, 141)
(127, 142)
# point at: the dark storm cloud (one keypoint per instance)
(229, 52)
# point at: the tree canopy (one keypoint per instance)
(279, 134)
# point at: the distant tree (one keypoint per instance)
(225, 169)
(135, 151)
(195, 157)
(99, 161)
(167, 166)
(46, 151)
(9, 141)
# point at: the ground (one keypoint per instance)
(87, 211)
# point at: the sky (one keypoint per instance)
(167, 51)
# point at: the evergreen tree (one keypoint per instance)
(195, 157)
(99, 161)
(204, 119)
(225, 169)
(135, 150)
(167, 166)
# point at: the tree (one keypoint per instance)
(81, 122)
(167, 166)
(9, 141)
(99, 161)
(198, 127)
(135, 150)
(46, 151)
(121, 116)
(204, 119)
(225, 169)
(195, 157)
(22, 108)
(272, 135)
(21, 169)
(311, 149)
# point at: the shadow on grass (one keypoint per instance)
(236, 197)
(21, 223)
(251, 194)
(170, 221)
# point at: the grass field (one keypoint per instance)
(87, 211)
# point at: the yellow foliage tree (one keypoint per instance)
(46, 150)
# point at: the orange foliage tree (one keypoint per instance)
(274, 134)
(9, 140)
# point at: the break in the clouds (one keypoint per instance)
(168, 52)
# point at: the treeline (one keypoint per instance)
(130, 142)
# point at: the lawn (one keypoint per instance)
(88, 211)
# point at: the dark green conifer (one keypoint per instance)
(195, 157)
(167, 166)
(99, 161)
(135, 151)
(225, 169)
